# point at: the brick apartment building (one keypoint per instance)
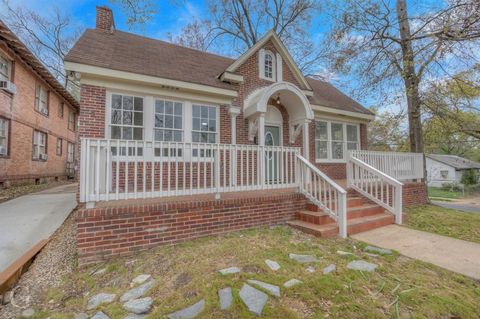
(38, 118)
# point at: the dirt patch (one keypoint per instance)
(182, 280)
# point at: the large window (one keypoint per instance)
(41, 99)
(204, 124)
(168, 124)
(39, 145)
(126, 117)
(334, 139)
(4, 131)
(5, 69)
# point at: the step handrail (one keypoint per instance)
(323, 192)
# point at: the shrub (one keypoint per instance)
(452, 187)
(469, 177)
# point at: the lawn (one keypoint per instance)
(436, 192)
(188, 272)
(445, 221)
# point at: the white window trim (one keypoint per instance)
(36, 143)
(329, 158)
(261, 56)
(9, 68)
(7, 136)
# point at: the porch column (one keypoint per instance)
(234, 111)
(306, 144)
(261, 129)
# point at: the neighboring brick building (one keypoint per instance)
(38, 118)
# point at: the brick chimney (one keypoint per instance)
(105, 19)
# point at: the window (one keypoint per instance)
(70, 152)
(71, 120)
(4, 131)
(126, 117)
(5, 69)
(168, 121)
(444, 174)
(39, 145)
(59, 146)
(61, 108)
(41, 99)
(334, 139)
(268, 67)
(204, 124)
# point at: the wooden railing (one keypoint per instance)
(400, 166)
(323, 192)
(119, 169)
(379, 187)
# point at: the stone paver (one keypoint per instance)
(453, 254)
(253, 298)
(140, 279)
(225, 296)
(27, 313)
(80, 315)
(273, 265)
(99, 272)
(344, 253)
(100, 315)
(382, 251)
(311, 269)
(292, 282)
(135, 316)
(362, 265)
(272, 289)
(137, 292)
(303, 258)
(189, 312)
(229, 270)
(99, 299)
(329, 269)
(138, 306)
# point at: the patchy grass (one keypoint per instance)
(188, 272)
(439, 193)
(445, 221)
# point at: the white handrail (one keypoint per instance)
(323, 192)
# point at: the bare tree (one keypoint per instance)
(196, 35)
(393, 51)
(138, 12)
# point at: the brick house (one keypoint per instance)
(37, 118)
(177, 143)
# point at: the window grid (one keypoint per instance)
(4, 126)
(5, 66)
(70, 152)
(59, 146)
(39, 144)
(168, 126)
(268, 65)
(334, 139)
(204, 124)
(41, 99)
(126, 117)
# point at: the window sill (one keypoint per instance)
(43, 114)
(5, 156)
(39, 160)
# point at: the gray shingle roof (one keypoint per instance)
(457, 162)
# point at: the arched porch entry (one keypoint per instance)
(263, 116)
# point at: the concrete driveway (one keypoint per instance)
(453, 254)
(27, 219)
(465, 205)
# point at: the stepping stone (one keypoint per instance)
(272, 289)
(140, 279)
(99, 299)
(80, 315)
(100, 272)
(311, 269)
(230, 270)
(273, 265)
(225, 296)
(344, 253)
(253, 298)
(138, 306)
(29, 312)
(137, 292)
(329, 269)
(189, 312)
(100, 315)
(362, 265)
(134, 316)
(292, 282)
(382, 251)
(304, 258)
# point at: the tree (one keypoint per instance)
(391, 50)
(387, 132)
(138, 12)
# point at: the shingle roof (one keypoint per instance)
(457, 162)
(27, 56)
(129, 52)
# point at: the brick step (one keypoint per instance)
(352, 201)
(364, 210)
(318, 218)
(326, 231)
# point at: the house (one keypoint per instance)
(37, 118)
(177, 143)
(442, 169)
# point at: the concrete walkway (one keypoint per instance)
(27, 219)
(453, 254)
(465, 206)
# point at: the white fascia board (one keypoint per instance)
(333, 112)
(85, 69)
(231, 77)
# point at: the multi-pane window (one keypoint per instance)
(126, 117)
(71, 120)
(268, 65)
(5, 69)
(204, 124)
(168, 124)
(39, 145)
(41, 99)
(333, 140)
(61, 108)
(70, 152)
(4, 127)
(59, 146)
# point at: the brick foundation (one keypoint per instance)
(125, 228)
(414, 193)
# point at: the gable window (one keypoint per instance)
(4, 132)
(61, 108)
(268, 65)
(126, 117)
(39, 145)
(41, 99)
(334, 139)
(5, 69)
(71, 120)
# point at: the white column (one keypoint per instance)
(306, 144)
(261, 129)
(234, 111)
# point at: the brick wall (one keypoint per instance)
(110, 231)
(18, 167)
(414, 193)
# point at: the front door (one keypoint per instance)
(272, 138)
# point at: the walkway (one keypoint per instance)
(453, 254)
(27, 219)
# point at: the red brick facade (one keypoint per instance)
(414, 194)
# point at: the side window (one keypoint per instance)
(61, 108)
(204, 124)
(41, 99)
(126, 121)
(71, 120)
(5, 69)
(39, 145)
(4, 136)
(59, 146)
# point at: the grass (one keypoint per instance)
(439, 193)
(188, 272)
(445, 221)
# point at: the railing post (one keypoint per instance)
(83, 171)
(342, 215)
(217, 171)
(399, 206)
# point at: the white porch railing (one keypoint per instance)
(323, 192)
(119, 169)
(381, 188)
(400, 166)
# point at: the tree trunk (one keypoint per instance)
(411, 80)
